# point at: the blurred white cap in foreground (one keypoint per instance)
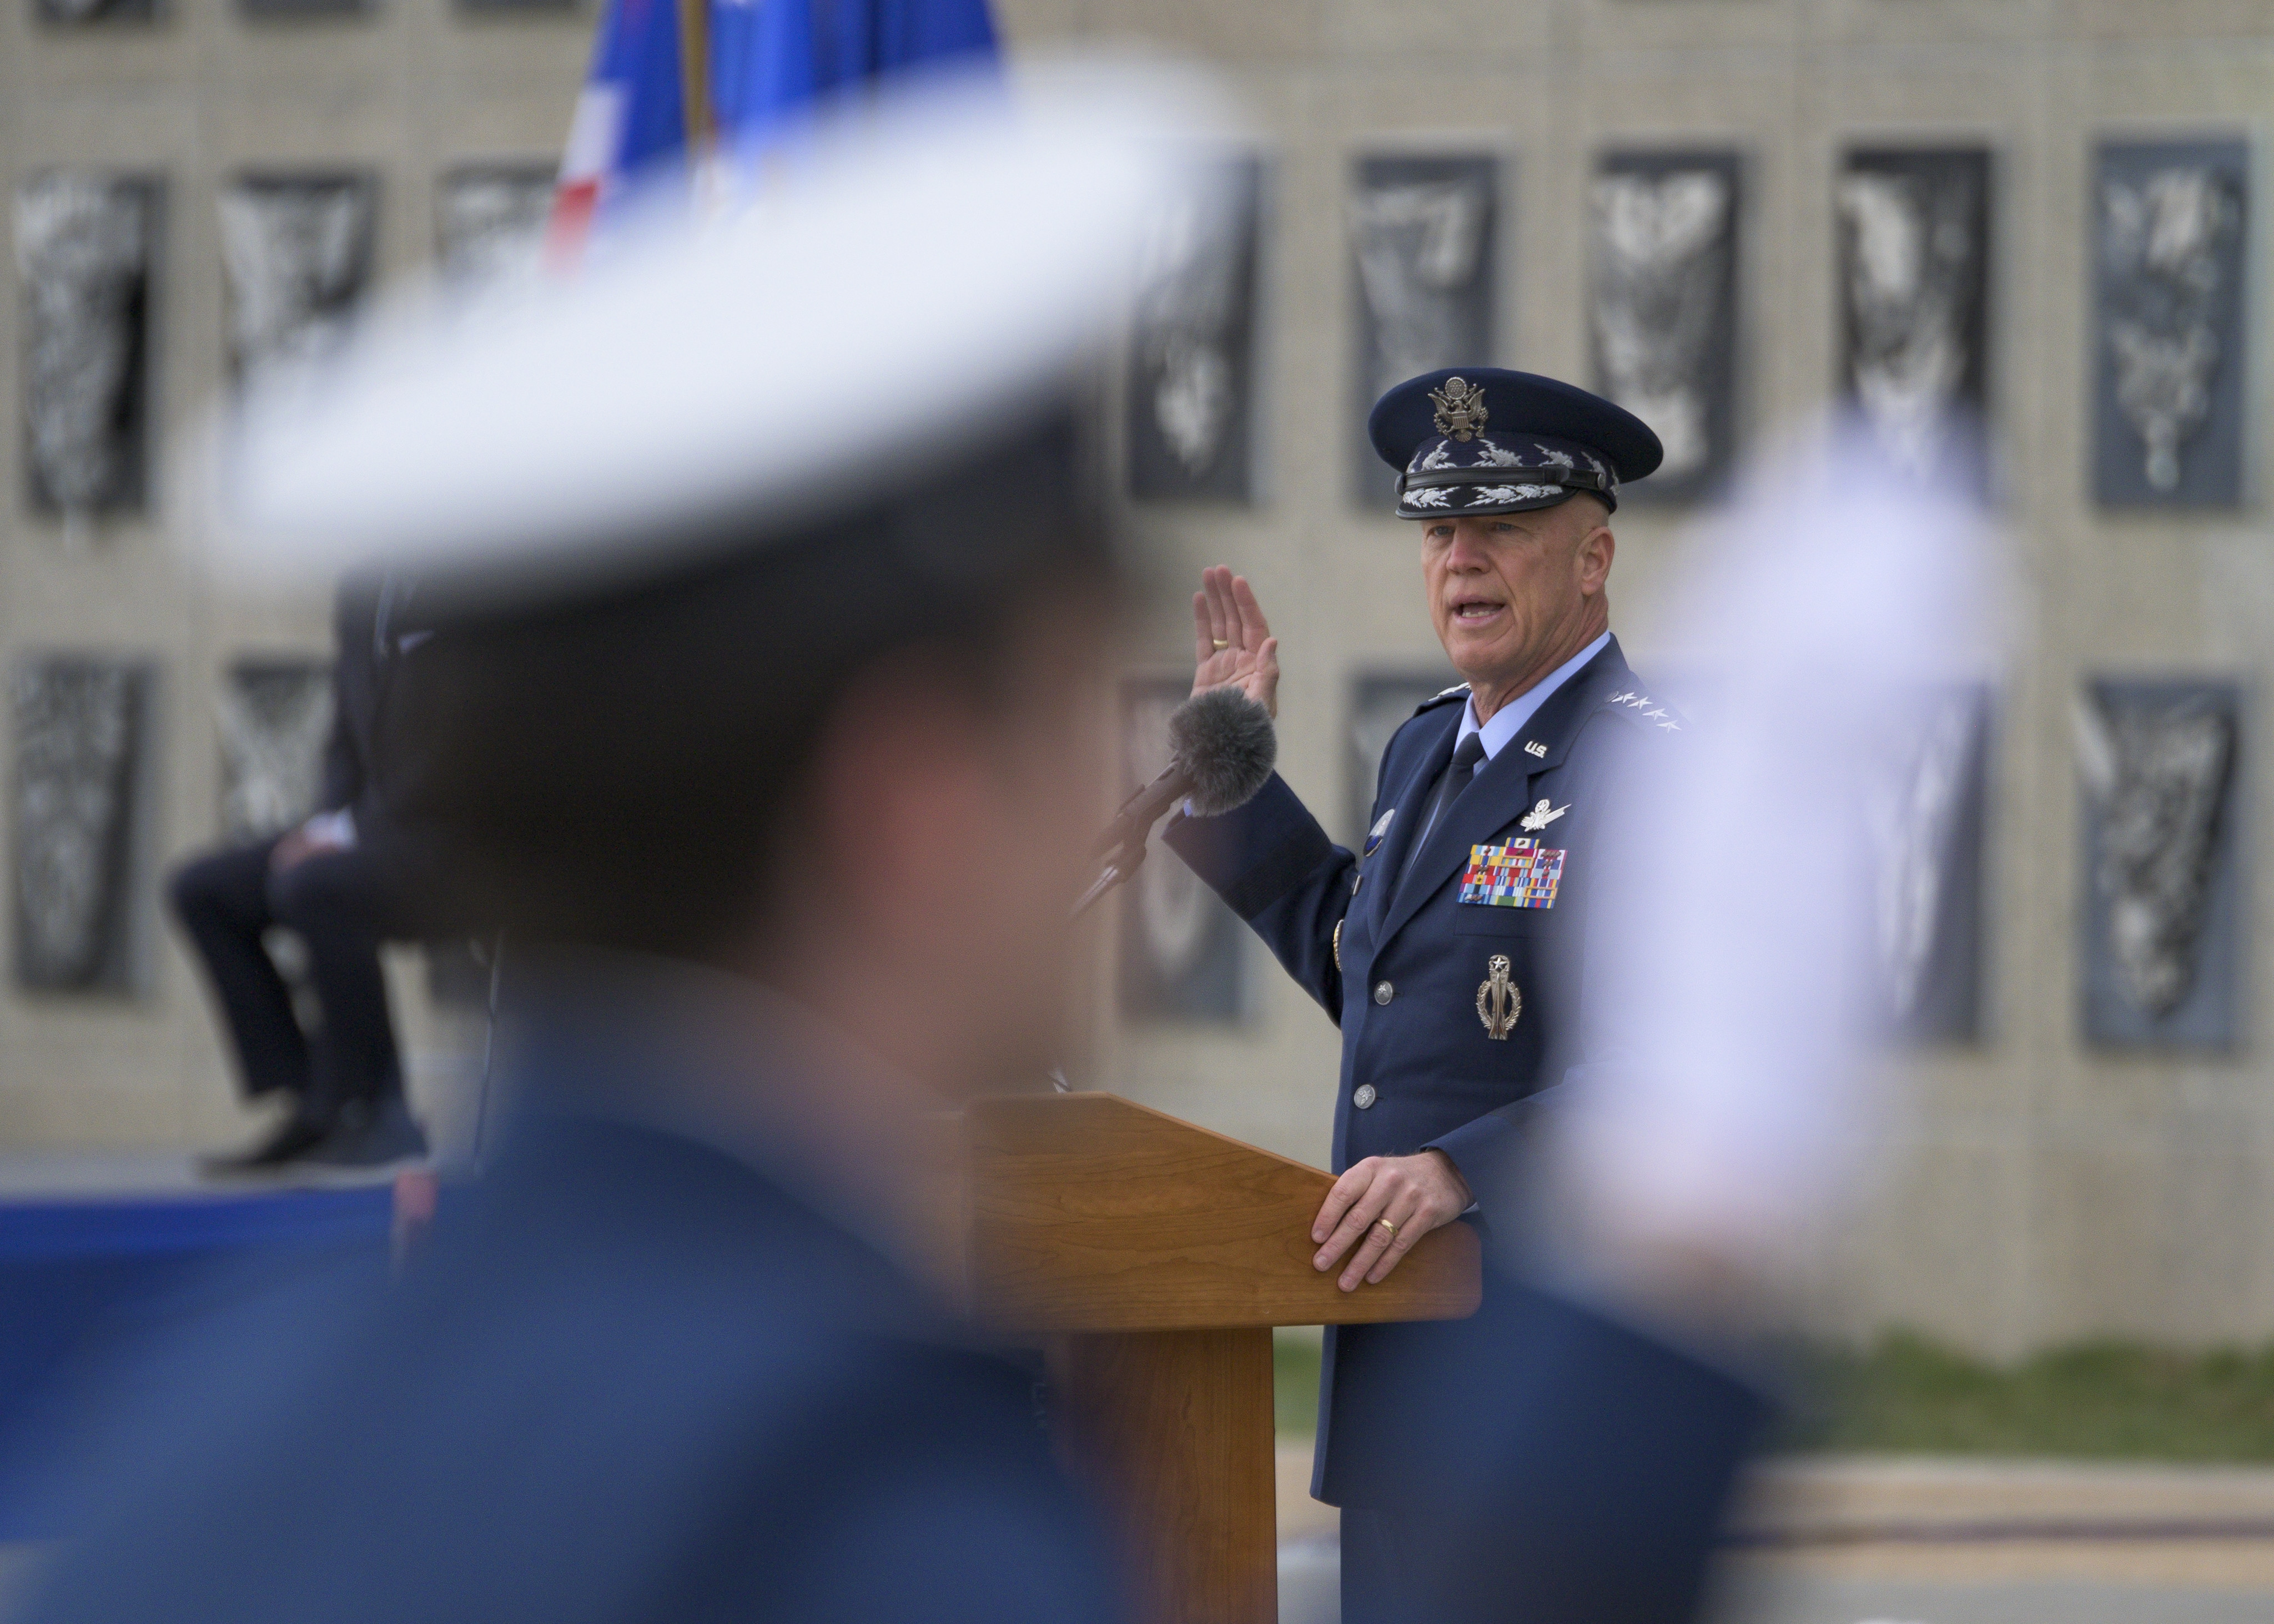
(927, 270)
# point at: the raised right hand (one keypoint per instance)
(1232, 642)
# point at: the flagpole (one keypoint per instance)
(694, 79)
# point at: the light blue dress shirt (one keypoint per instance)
(1514, 717)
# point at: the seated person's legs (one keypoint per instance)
(221, 901)
(334, 900)
(343, 904)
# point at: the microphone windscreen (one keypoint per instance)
(1225, 742)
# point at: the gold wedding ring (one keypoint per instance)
(1386, 1224)
(1222, 644)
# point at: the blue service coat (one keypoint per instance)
(1401, 965)
(628, 1377)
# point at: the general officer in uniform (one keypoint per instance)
(1451, 948)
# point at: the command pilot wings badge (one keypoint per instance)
(1540, 816)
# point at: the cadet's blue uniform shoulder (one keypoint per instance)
(787, 1430)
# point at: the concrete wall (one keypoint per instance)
(2042, 1190)
(403, 91)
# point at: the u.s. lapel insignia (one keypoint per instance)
(1373, 835)
(1499, 1003)
(1540, 816)
(1460, 409)
(1523, 874)
(1535, 749)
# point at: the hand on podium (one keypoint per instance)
(1383, 1206)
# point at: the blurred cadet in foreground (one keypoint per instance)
(772, 751)
(767, 605)
(769, 745)
(343, 880)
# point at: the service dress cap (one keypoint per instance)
(1484, 439)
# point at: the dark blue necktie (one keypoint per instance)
(1457, 777)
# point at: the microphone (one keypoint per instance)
(1222, 748)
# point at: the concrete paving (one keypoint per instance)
(103, 1176)
(42, 1176)
(1864, 1540)
(1825, 1499)
(1786, 1597)
(1899, 1542)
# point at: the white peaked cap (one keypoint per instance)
(918, 278)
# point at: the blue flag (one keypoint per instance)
(772, 63)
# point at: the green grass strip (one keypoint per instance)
(2108, 1398)
(2105, 1399)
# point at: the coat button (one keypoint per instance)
(1382, 992)
(1364, 1097)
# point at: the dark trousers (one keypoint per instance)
(1375, 1587)
(343, 904)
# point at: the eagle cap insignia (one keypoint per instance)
(1460, 409)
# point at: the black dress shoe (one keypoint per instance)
(288, 1141)
(369, 1136)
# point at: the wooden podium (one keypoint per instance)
(1152, 1258)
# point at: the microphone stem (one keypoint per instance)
(1105, 881)
(1123, 864)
